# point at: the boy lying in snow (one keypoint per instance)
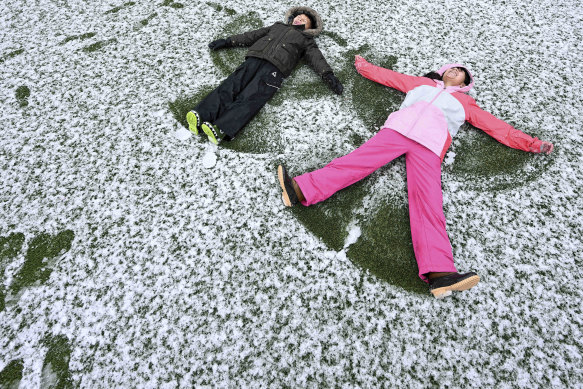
(274, 53)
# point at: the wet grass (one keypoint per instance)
(119, 8)
(171, 3)
(11, 376)
(10, 246)
(146, 21)
(78, 37)
(41, 250)
(22, 94)
(98, 45)
(386, 250)
(55, 373)
(12, 54)
(219, 8)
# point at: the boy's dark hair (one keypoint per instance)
(436, 76)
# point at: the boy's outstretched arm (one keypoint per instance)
(316, 61)
(244, 39)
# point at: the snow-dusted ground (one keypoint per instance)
(171, 272)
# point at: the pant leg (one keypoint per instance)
(217, 101)
(430, 240)
(379, 150)
(253, 96)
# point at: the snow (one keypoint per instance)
(185, 268)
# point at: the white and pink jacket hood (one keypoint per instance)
(432, 114)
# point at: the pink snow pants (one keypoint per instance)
(430, 241)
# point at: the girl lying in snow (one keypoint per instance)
(433, 110)
(274, 53)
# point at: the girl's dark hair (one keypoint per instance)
(436, 76)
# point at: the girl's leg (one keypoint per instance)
(382, 148)
(430, 241)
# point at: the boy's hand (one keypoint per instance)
(219, 44)
(333, 83)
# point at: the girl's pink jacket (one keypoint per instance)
(431, 114)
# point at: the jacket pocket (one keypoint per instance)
(273, 80)
(286, 54)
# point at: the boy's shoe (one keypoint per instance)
(193, 119)
(289, 194)
(213, 132)
(442, 287)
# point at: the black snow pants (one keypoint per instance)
(240, 96)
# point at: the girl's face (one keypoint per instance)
(302, 19)
(454, 77)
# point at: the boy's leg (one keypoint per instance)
(430, 240)
(215, 103)
(256, 93)
(379, 150)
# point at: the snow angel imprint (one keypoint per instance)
(433, 110)
(274, 53)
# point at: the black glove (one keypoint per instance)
(333, 83)
(220, 43)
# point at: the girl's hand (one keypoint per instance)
(359, 62)
(546, 147)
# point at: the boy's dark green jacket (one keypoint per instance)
(284, 44)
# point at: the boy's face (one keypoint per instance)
(302, 19)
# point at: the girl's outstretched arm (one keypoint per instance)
(502, 131)
(387, 77)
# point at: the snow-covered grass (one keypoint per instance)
(128, 260)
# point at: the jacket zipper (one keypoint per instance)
(420, 114)
(278, 42)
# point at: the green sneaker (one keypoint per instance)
(213, 132)
(193, 119)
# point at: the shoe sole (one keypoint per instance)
(466, 284)
(284, 195)
(209, 133)
(193, 120)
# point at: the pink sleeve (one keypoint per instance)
(390, 78)
(499, 129)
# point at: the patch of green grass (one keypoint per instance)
(119, 8)
(386, 250)
(171, 3)
(41, 249)
(372, 101)
(219, 8)
(336, 38)
(329, 219)
(11, 376)
(482, 159)
(56, 365)
(98, 45)
(10, 246)
(78, 37)
(147, 20)
(12, 54)
(22, 95)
